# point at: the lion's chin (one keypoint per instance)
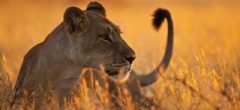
(120, 78)
(120, 75)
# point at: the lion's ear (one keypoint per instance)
(75, 20)
(96, 7)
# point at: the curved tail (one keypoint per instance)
(151, 77)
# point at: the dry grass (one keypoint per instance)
(6, 92)
(204, 71)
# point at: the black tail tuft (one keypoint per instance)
(159, 16)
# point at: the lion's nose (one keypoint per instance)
(130, 58)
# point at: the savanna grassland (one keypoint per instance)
(204, 70)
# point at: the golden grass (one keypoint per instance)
(204, 70)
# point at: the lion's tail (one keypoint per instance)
(151, 77)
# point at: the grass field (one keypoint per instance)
(204, 70)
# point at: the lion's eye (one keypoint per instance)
(105, 38)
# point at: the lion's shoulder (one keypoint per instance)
(33, 52)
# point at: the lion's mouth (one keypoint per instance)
(119, 72)
(112, 72)
(116, 70)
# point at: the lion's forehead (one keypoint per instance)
(99, 19)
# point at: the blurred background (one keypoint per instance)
(206, 27)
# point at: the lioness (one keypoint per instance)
(85, 39)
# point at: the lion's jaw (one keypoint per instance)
(121, 74)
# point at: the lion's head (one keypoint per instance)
(95, 40)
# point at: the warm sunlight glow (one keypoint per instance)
(204, 70)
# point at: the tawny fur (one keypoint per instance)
(85, 39)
